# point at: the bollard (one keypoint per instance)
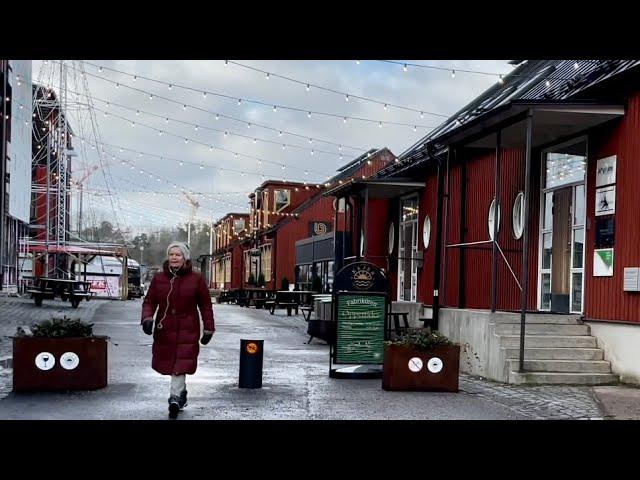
(251, 363)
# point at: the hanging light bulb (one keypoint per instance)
(248, 125)
(308, 87)
(138, 112)
(415, 128)
(184, 107)
(99, 68)
(346, 98)
(380, 125)
(217, 116)
(280, 133)
(312, 152)
(275, 108)
(135, 78)
(239, 101)
(310, 141)
(283, 167)
(186, 140)
(160, 133)
(309, 115)
(453, 74)
(181, 164)
(211, 148)
(108, 105)
(345, 120)
(283, 146)
(267, 76)
(255, 141)
(357, 62)
(201, 167)
(117, 85)
(196, 128)
(170, 87)
(385, 106)
(133, 124)
(225, 134)
(166, 120)
(226, 63)
(204, 95)
(404, 67)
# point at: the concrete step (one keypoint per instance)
(562, 378)
(538, 353)
(541, 329)
(532, 318)
(548, 341)
(567, 366)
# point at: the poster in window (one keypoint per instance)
(606, 171)
(282, 198)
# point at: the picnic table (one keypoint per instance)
(65, 288)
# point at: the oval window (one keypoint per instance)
(426, 231)
(392, 238)
(518, 216)
(492, 215)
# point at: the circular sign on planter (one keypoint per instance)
(252, 348)
(45, 361)
(69, 361)
(415, 364)
(434, 365)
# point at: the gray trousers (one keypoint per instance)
(178, 384)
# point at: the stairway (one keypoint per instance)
(559, 349)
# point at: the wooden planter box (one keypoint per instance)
(48, 364)
(399, 372)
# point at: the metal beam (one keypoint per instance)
(525, 236)
(496, 218)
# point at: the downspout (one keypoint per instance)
(438, 254)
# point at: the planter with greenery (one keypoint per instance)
(59, 354)
(285, 284)
(421, 360)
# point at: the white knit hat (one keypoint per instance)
(184, 248)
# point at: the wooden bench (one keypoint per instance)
(396, 321)
(273, 304)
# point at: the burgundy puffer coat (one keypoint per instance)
(176, 345)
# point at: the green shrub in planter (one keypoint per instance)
(58, 327)
(261, 280)
(252, 279)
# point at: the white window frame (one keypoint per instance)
(574, 226)
(414, 248)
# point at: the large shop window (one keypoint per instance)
(265, 259)
(407, 249)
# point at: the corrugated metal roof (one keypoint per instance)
(526, 82)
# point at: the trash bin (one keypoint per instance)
(251, 354)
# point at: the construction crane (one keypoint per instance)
(194, 208)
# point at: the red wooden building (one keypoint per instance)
(513, 226)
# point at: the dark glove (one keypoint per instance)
(147, 326)
(206, 338)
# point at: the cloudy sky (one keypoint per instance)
(139, 107)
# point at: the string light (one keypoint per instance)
(308, 87)
(346, 98)
(357, 62)
(170, 86)
(267, 76)
(309, 115)
(453, 74)
(275, 109)
(404, 67)
(151, 96)
(204, 95)
(239, 101)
